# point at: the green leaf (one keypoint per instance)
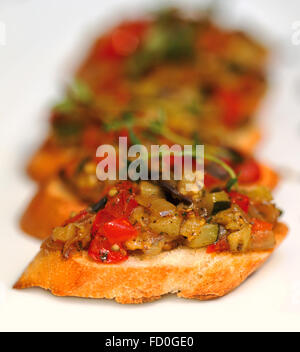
(196, 139)
(64, 107)
(231, 183)
(81, 92)
(67, 129)
(158, 125)
(194, 108)
(133, 138)
(127, 121)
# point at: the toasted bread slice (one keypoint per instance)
(48, 161)
(50, 207)
(269, 178)
(186, 272)
(245, 140)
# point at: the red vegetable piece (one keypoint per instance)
(76, 218)
(210, 181)
(102, 217)
(101, 251)
(221, 246)
(119, 230)
(248, 171)
(259, 225)
(240, 199)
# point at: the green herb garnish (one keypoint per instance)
(231, 183)
(133, 137)
(194, 108)
(169, 39)
(80, 92)
(65, 107)
(127, 121)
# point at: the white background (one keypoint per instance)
(43, 41)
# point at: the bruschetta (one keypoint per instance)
(197, 77)
(142, 241)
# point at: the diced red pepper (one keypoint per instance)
(102, 217)
(259, 225)
(221, 246)
(101, 251)
(123, 41)
(106, 51)
(139, 28)
(111, 226)
(124, 132)
(213, 40)
(76, 218)
(93, 137)
(241, 200)
(249, 172)
(119, 230)
(122, 205)
(231, 105)
(210, 181)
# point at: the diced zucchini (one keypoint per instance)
(220, 201)
(169, 225)
(239, 241)
(208, 235)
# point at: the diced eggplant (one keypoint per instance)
(100, 205)
(172, 193)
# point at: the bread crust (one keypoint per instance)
(268, 178)
(245, 140)
(49, 208)
(192, 274)
(48, 161)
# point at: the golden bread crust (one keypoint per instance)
(269, 178)
(245, 140)
(49, 208)
(188, 273)
(48, 161)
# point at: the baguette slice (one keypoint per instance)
(48, 161)
(245, 140)
(49, 208)
(186, 272)
(53, 203)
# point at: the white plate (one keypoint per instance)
(37, 55)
